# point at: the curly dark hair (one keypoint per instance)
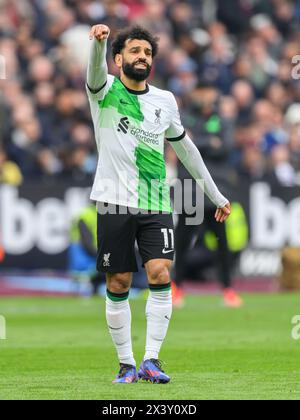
(136, 32)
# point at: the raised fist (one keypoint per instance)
(99, 32)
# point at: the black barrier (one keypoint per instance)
(35, 221)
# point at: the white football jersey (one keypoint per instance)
(130, 128)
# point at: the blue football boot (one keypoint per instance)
(151, 370)
(126, 375)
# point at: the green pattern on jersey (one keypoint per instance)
(153, 193)
(124, 102)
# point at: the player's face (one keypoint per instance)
(136, 59)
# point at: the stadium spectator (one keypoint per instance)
(243, 94)
(9, 171)
(83, 247)
(154, 17)
(247, 55)
(282, 172)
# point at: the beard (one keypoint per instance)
(137, 74)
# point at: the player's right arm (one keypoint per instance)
(97, 66)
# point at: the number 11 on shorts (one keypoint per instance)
(166, 233)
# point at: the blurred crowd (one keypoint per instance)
(231, 64)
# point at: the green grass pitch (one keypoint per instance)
(58, 348)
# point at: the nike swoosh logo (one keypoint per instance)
(124, 102)
(167, 317)
(164, 251)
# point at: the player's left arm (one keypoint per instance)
(191, 158)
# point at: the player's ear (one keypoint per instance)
(119, 60)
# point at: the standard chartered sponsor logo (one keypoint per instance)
(145, 136)
(140, 134)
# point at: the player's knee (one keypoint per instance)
(118, 282)
(159, 274)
